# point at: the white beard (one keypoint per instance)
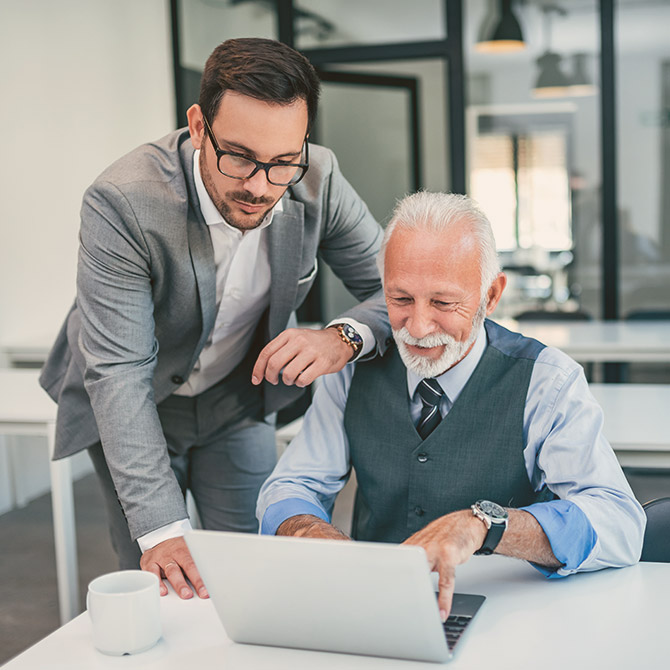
(454, 351)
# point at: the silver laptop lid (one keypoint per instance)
(355, 597)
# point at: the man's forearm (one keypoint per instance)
(308, 525)
(525, 539)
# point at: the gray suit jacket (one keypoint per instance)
(146, 304)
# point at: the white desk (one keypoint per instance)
(25, 409)
(30, 349)
(610, 619)
(637, 422)
(599, 341)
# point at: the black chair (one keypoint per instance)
(553, 315)
(656, 546)
(648, 315)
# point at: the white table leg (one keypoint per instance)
(65, 538)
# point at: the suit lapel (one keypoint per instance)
(286, 235)
(201, 251)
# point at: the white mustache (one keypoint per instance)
(427, 342)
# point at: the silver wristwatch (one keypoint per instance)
(494, 518)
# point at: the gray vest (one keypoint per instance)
(476, 452)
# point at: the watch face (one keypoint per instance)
(351, 333)
(492, 509)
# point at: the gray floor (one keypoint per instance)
(28, 592)
(28, 597)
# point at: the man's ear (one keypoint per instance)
(196, 125)
(495, 292)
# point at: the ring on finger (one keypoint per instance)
(167, 565)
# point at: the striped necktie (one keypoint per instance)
(430, 393)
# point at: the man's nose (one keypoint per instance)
(257, 185)
(420, 322)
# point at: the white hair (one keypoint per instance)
(438, 212)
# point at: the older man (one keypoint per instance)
(466, 438)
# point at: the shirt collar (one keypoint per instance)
(455, 378)
(209, 211)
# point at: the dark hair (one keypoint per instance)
(260, 68)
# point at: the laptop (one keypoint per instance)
(365, 598)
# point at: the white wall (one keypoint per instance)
(83, 82)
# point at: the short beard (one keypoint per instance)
(248, 222)
(454, 351)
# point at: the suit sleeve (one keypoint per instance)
(352, 239)
(120, 351)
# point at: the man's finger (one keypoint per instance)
(175, 576)
(155, 569)
(298, 371)
(190, 570)
(267, 352)
(446, 584)
(276, 363)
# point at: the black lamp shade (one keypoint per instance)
(507, 34)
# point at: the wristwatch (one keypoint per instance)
(495, 519)
(349, 335)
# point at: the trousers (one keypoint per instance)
(220, 448)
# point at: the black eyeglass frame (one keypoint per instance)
(259, 164)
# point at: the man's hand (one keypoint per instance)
(308, 525)
(448, 542)
(301, 355)
(172, 560)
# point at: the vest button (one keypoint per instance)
(418, 511)
(176, 379)
(422, 458)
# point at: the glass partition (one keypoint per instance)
(533, 154)
(202, 26)
(643, 157)
(325, 23)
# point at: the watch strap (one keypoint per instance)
(493, 537)
(350, 336)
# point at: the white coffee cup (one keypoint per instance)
(125, 612)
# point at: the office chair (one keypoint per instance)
(656, 545)
(553, 315)
(648, 315)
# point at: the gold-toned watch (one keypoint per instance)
(349, 335)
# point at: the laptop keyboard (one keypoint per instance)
(454, 627)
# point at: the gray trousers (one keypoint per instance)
(221, 449)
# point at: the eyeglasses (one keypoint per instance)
(239, 166)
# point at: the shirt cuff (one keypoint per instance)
(369, 342)
(278, 512)
(167, 532)
(570, 534)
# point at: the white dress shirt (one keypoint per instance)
(242, 291)
(242, 294)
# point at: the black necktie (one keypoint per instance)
(430, 393)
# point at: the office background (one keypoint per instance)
(576, 184)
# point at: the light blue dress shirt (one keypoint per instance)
(595, 523)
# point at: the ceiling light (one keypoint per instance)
(551, 81)
(580, 84)
(506, 36)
